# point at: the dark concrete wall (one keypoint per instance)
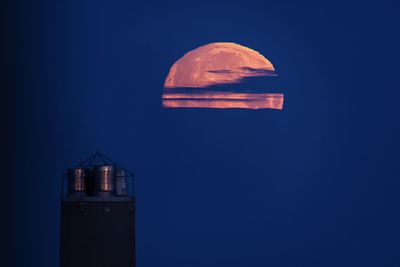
(97, 234)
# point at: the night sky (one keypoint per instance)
(316, 184)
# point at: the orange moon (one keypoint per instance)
(217, 63)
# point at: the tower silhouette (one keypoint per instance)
(97, 215)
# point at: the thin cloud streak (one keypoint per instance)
(223, 100)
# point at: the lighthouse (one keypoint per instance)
(97, 215)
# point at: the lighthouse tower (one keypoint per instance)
(97, 215)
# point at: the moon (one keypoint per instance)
(193, 80)
(217, 63)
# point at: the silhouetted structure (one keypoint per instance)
(97, 215)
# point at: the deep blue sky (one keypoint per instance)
(316, 184)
